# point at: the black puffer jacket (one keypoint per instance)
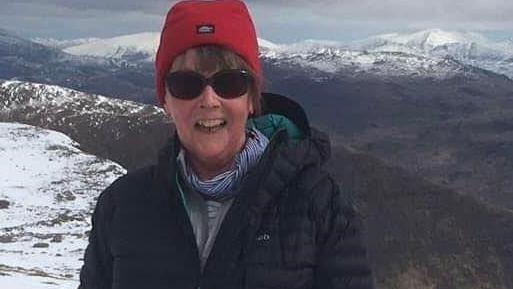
(290, 227)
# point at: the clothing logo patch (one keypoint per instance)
(205, 29)
(263, 237)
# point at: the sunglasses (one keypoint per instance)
(230, 83)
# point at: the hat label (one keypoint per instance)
(205, 29)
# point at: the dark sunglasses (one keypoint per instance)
(230, 83)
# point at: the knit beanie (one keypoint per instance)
(194, 23)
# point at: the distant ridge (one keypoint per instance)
(144, 45)
(418, 49)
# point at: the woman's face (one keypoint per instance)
(212, 129)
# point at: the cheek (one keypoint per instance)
(182, 120)
(242, 109)
(180, 112)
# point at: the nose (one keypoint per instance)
(209, 98)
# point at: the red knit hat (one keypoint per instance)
(199, 22)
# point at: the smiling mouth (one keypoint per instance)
(210, 125)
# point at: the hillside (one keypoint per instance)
(48, 189)
(116, 129)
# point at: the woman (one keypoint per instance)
(239, 198)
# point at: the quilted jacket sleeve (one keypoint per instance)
(342, 258)
(96, 273)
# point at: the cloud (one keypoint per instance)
(147, 6)
(279, 20)
(410, 10)
(343, 19)
(413, 10)
(73, 18)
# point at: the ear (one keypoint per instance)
(251, 108)
(169, 115)
(167, 109)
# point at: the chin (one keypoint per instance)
(211, 151)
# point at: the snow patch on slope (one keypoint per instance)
(63, 44)
(17, 94)
(142, 46)
(48, 188)
(466, 47)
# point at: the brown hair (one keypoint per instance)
(214, 58)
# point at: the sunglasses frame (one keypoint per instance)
(248, 78)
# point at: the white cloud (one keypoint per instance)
(277, 20)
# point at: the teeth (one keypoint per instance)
(209, 123)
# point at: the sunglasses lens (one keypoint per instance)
(184, 84)
(231, 83)
(227, 83)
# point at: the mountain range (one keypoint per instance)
(422, 54)
(125, 62)
(22, 59)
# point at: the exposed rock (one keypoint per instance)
(4, 204)
(41, 245)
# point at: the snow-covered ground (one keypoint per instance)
(48, 189)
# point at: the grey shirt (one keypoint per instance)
(206, 217)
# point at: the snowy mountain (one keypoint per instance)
(22, 59)
(63, 44)
(64, 104)
(134, 47)
(438, 42)
(122, 66)
(356, 63)
(100, 124)
(469, 48)
(430, 53)
(27, 54)
(48, 188)
(13, 47)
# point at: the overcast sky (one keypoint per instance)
(276, 20)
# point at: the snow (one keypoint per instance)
(118, 47)
(421, 53)
(265, 44)
(466, 47)
(62, 44)
(50, 186)
(42, 96)
(431, 38)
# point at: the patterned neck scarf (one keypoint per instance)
(225, 184)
